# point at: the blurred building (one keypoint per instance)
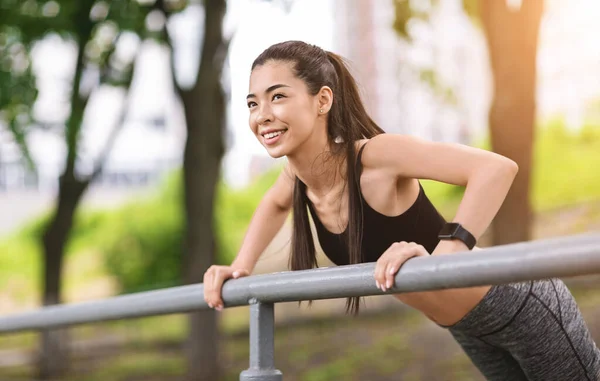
(569, 62)
(436, 87)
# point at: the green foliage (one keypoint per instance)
(565, 166)
(234, 209)
(19, 266)
(142, 242)
(143, 246)
(17, 86)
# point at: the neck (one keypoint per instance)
(316, 166)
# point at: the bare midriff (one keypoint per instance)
(445, 307)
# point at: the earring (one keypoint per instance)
(338, 140)
(321, 111)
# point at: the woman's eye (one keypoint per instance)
(251, 104)
(278, 96)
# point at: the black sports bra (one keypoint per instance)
(420, 223)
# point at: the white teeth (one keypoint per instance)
(271, 135)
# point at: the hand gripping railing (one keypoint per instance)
(557, 257)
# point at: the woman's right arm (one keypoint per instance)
(267, 220)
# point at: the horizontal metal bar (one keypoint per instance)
(557, 257)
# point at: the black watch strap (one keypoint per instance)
(454, 230)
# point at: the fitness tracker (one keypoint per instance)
(454, 230)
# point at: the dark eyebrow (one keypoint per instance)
(268, 90)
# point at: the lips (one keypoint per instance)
(272, 136)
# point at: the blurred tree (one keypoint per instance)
(204, 105)
(511, 29)
(204, 110)
(94, 27)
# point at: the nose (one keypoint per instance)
(264, 115)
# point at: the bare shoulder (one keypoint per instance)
(382, 187)
(359, 143)
(384, 149)
(384, 145)
(405, 156)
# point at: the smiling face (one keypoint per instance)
(283, 114)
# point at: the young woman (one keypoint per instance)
(361, 188)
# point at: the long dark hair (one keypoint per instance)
(347, 120)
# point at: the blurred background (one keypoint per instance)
(127, 164)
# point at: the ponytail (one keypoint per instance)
(349, 119)
(303, 246)
(348, 114)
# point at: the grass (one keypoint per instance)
(374, 347)
(136, 365)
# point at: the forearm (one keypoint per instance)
(484, 194)
(266, 222)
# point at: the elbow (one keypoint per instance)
(512, 168)
(499, 168)
(506, 168)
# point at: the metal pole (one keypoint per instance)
(556, 257)
(262, 334)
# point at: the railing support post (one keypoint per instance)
(262, 334)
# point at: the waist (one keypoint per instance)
(445, 307)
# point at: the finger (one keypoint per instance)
(221, 274)
(391, 270)
(407, 251)
(207, 287)
(209, 280)
(379, 272)
(394, 266)
(389, 257)
(217, 286)
(207, 273)
(381, 279)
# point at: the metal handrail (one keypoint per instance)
(557, 257)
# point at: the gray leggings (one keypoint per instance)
(531, 331)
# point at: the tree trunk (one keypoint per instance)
(204, 106)
(53, 361)
(54, 355)
(512, 37)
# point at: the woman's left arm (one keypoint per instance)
(486, 175)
